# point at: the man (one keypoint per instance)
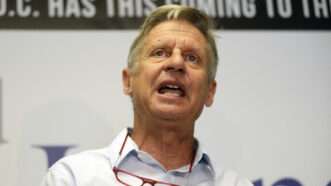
(170, 78)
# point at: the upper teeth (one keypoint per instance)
(172, 86)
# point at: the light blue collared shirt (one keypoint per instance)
(95, 168)
(141, 163)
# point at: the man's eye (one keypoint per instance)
(160, 53)
(191, 58)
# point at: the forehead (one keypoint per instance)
(176, 32)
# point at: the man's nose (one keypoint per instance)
(175, 62)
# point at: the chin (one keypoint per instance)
(173, 114)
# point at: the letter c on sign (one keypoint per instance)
(287, 182)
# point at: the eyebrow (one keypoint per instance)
(171, 43)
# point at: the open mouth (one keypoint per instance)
(172, 89)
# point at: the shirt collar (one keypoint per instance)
(130, 147)
(202, 157)
(115, 147)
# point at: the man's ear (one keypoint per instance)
(126, 81)
(211, 93)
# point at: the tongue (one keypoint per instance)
(175, 92)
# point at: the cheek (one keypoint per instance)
(151, 71)
(200, 84)
(145, 78)
(200, 77)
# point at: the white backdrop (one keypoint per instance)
(271, 119)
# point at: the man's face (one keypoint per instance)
(170, 81)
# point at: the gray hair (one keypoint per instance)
(177, 12)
